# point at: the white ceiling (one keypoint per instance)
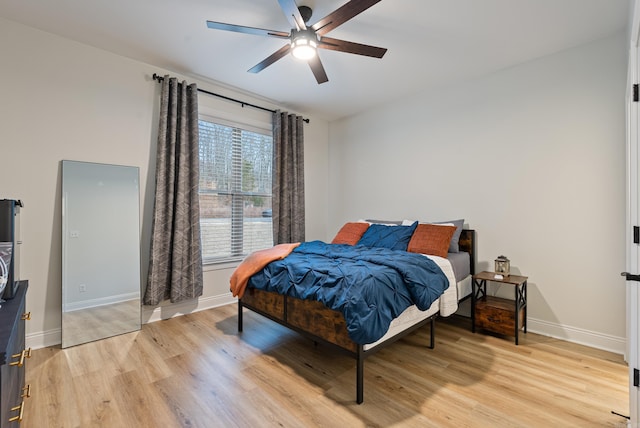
(431, 42)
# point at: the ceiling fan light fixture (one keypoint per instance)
(304, 44)
(303, 40)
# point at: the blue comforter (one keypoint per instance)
(369, 286)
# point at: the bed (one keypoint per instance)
(327, 326)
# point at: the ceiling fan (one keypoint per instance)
(304, 40)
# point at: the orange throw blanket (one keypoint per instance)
(254, 263)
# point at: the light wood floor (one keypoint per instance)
(197, 371)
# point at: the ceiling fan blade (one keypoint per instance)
(247, 30)
(351, 47)
(342, 15)
(279, 54)
(318, 70)
(292, 13)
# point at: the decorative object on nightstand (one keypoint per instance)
(502, 266)
(496, 314)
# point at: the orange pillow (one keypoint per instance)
(431, 239)
(350, 233)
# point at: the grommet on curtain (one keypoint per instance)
(224, 97)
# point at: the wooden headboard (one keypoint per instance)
(467, 243)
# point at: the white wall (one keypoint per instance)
(548, 134)
(65, 100)
(532, 157)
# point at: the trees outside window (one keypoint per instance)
(235, 190)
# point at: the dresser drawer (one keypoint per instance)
(13, 358)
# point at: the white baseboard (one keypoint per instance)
(149, 314)
(170, 310)
(577, 335)
(101, 301)
(570, 334)
(44, 339)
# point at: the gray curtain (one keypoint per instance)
(288, 178)
(175, 265)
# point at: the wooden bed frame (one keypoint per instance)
(323, 325)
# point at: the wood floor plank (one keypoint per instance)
(198, 371)
(140, 404)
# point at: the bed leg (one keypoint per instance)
(432, 343)
(360, 376)
(239, 316)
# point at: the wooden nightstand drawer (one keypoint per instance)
(497, 315)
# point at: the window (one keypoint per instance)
(235, 190)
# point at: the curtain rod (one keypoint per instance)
(242, 103)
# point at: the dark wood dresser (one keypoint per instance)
(13, 355)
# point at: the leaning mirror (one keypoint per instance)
(100, 251)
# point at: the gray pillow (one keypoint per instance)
(453, 246)
(397, 222)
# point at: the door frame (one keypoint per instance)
(633, 217)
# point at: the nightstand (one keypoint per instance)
(496, 314)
